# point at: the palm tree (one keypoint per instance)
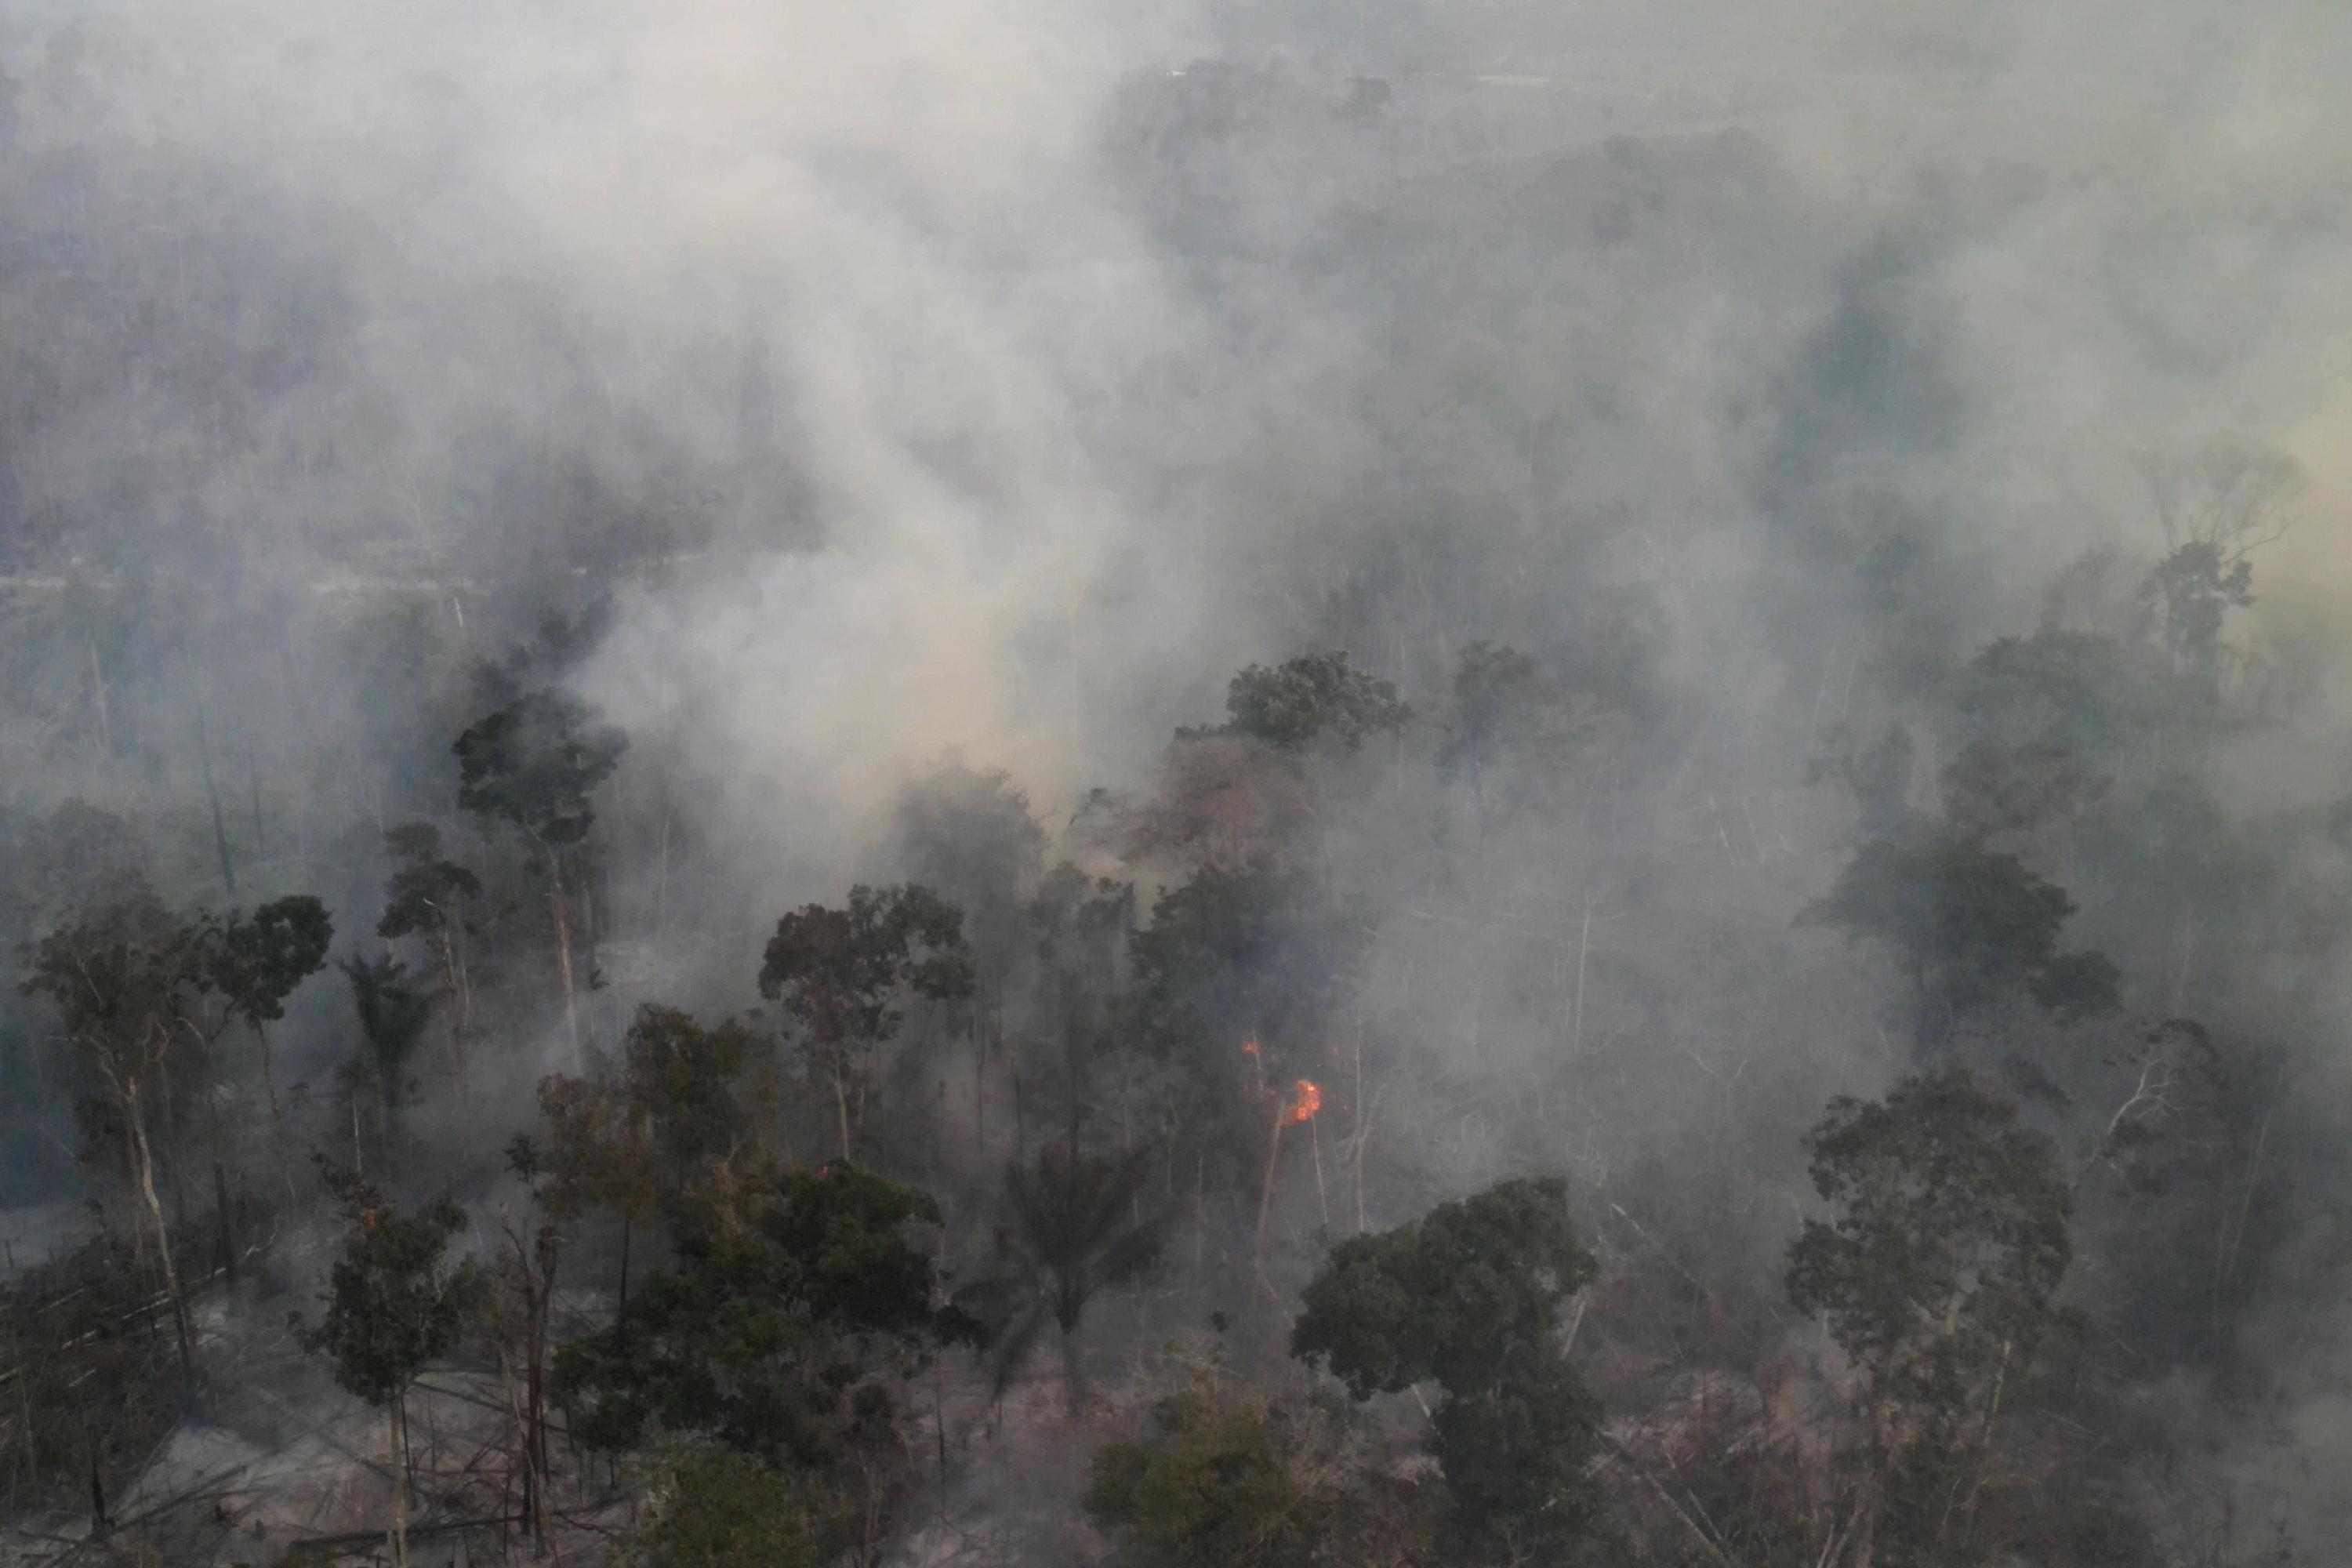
(393, 1011)
(1075, 1223)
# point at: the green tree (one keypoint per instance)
(714, 1508)
(254, 961)
(535, 764)
(1470, 1296)
(1247, 955)
(116, 977)
(394, 1305)
(1974, 929)
(1232, 1477)
(392, 1015)
(1081, 927)
(599, 1155)
(2075, 691)
(972, 837)
(1316, 696)
(1947, 1240)
(783, 1333)
(843, 975)
(428, 899)
(1076, 1226)
(694, 1090)
(2218, 503)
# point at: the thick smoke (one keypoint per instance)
(991, 381)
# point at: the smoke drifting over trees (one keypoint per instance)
(1575, 775)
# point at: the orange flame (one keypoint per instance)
(1249, 1048)
(1305, 1104)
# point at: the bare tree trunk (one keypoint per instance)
(453, 996)
(144, 1155)
(560, 903)
(399, 1441)
(212, 792)
(227, 1226)
(1074, 1375)
(99, 1521)
(841, 1108)
(1265, 1201)
(276, 1117)
(98, 697)
(531, 1485)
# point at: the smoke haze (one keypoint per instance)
(991, 381)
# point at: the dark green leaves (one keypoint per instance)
(1948, 1236)
(772, 1334)
(1470, 1295)
(394, 1304)
(1973, 926)
(1460, 1296)
(427, 892)
(392, 1014)
(1244, 953)
(1075, 1223)
(839, 972)
(260, 959)
(534, 762)
(1316, 696)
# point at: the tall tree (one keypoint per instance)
(394, 1305)
(785, 1331)
(535, 764)
(599, 1154)
(1237, 976)
(1947, 1239)
(1470, 1296)
(428, 899)
(970, 838)
(1316, 696)
(1975, 930)
(260, 958)
(698, 1092)
(392, 1015)
(1511, 725)
(843, 975)
(116, 977)
(1075, 1224)
(1230, 1477)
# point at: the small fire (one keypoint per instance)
(1305, 1103)
(1249, 1048)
